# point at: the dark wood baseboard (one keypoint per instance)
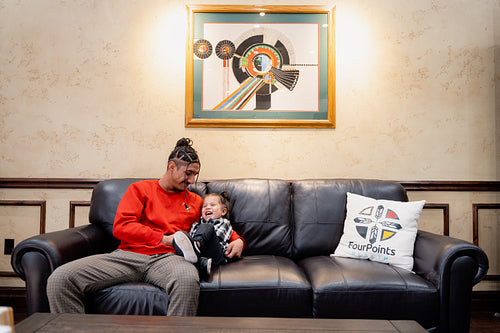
(14, 297)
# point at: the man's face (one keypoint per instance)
(184, 174)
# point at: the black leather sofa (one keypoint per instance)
(290, 229)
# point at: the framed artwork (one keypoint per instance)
(270, 66)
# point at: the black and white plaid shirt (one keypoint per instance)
(222, 226)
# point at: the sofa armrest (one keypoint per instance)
(454, 266)
(434, 254)
(63, 246)
(35, 258)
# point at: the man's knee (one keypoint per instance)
(58, 279)
(186, 276)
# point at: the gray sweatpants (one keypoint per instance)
(68, 284)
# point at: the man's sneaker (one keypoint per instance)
(204, 266)
(185, 246)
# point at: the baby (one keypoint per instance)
(207, 241)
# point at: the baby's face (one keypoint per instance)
(212, 208)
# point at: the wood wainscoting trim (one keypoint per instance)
(60, 183)
(36, 203)
(449, 185)
(72, 210)
(446, 215)
(409, 185)
(475, 229)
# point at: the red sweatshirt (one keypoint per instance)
(147, 212)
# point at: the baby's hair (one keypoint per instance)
(184, 151)
(224, 200)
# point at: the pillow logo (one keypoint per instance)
(377, 223)
(380, 230)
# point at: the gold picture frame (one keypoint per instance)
(260, 66)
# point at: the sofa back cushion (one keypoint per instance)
(319, 210)
(104, 201)
(260, 213)
(107, 195)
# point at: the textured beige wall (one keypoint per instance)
(95, 89)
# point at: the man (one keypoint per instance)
(148, 215)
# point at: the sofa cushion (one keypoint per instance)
(380, 230)
(351, 288)
(104, 201)
(259, 286)
(319, 210)
(260, 213)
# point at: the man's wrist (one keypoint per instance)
(167, 240)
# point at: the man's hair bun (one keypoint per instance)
(184, 151)
(184, 142)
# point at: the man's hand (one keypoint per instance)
(234, 249)
(167, 240)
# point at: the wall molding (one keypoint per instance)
(475, 228)
(446, 215)
(37, 203)
(409, 185)
(447, 185)
(43, 217)
(59, 183)
(72, 210)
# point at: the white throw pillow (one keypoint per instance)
(380, 230)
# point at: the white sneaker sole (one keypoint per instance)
(209, 266)
(184, 243)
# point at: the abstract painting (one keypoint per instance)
(260, 67)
